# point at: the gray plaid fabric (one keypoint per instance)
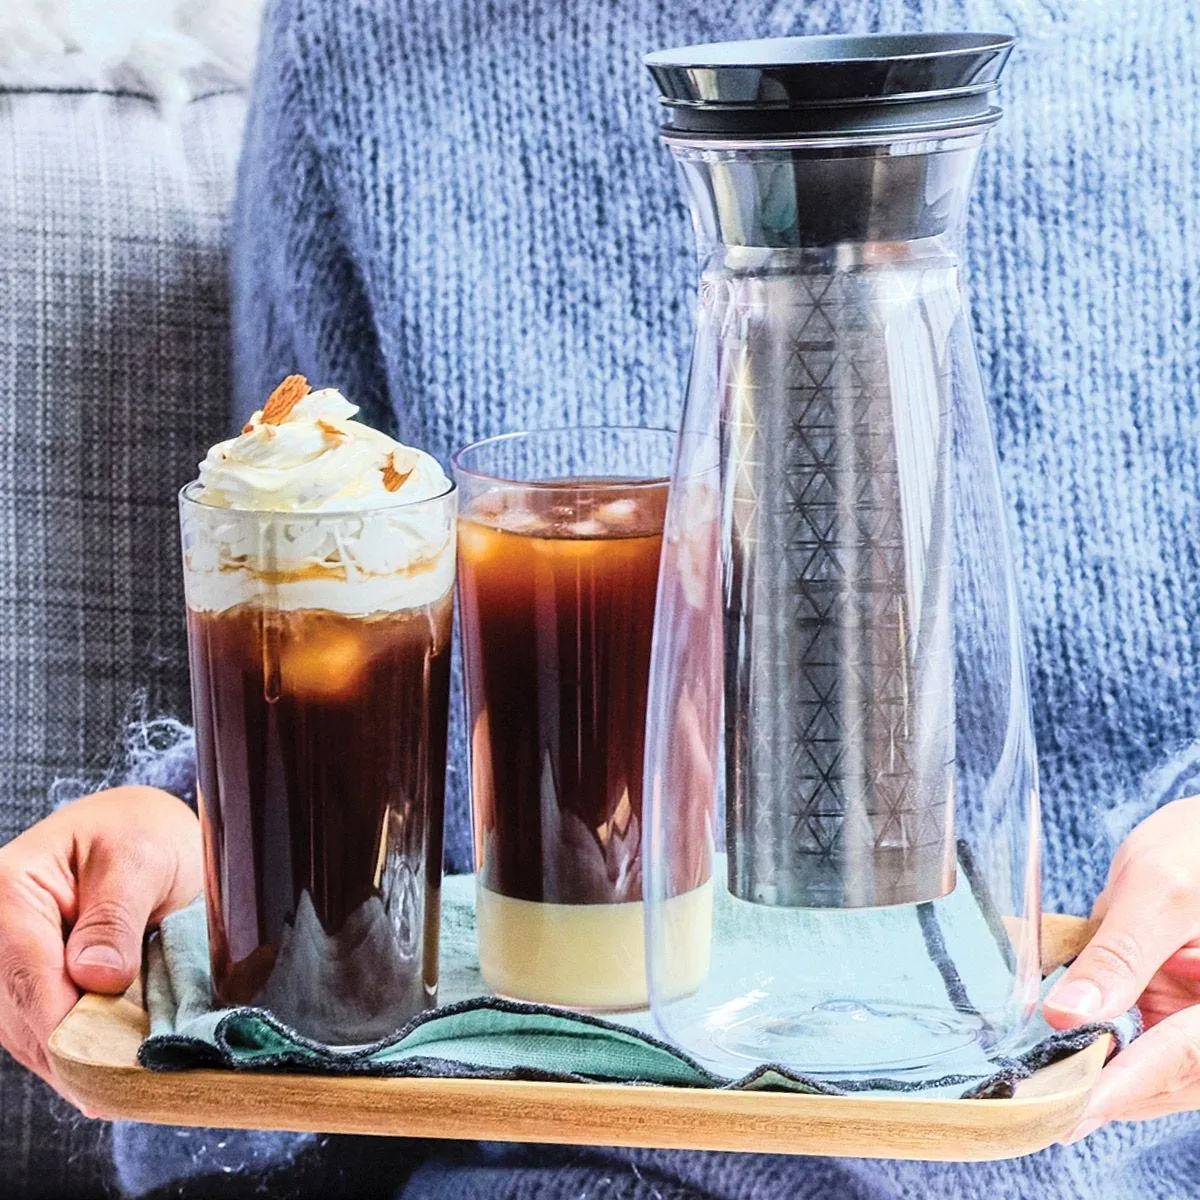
(113, 381)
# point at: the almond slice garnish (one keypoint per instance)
(393, 479)
(284, 398)
(332, 432)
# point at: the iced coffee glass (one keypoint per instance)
(559, 541)
(320, 660)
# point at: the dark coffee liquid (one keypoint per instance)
(558, 603)
(321, 750)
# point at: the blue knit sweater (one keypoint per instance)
(458, 212)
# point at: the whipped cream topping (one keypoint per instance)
(314, 456)
(373, 527)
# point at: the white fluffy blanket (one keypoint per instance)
(168, 48)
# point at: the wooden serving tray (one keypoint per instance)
(95, 1053)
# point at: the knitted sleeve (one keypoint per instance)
(297, 296)
(1177, 777)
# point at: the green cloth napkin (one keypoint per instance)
(958, 948)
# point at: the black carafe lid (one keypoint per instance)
(893, 85)
(834, 107)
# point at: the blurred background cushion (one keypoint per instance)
(113, 381)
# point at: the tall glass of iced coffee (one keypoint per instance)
(319, 568)
(559, 540)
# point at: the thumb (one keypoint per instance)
(119, 889)
(1146, 921)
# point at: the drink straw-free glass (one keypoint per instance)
(320, 690)
(559, 541)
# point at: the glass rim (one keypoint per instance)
(636, 482)
(187, 497)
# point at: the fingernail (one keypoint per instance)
(100, 956)
(1083, 1129)
(1079, 997)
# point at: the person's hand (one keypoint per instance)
(1145, 951)
(77, 893)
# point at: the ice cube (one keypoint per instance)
(520, 520)
(324, 667)
(473, 541)
(486, 507)
(619, 514)
(588, 528)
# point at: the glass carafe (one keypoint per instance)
(835, 536)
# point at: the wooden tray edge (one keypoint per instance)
(112, 1085)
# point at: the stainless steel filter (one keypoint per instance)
(834, 368)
